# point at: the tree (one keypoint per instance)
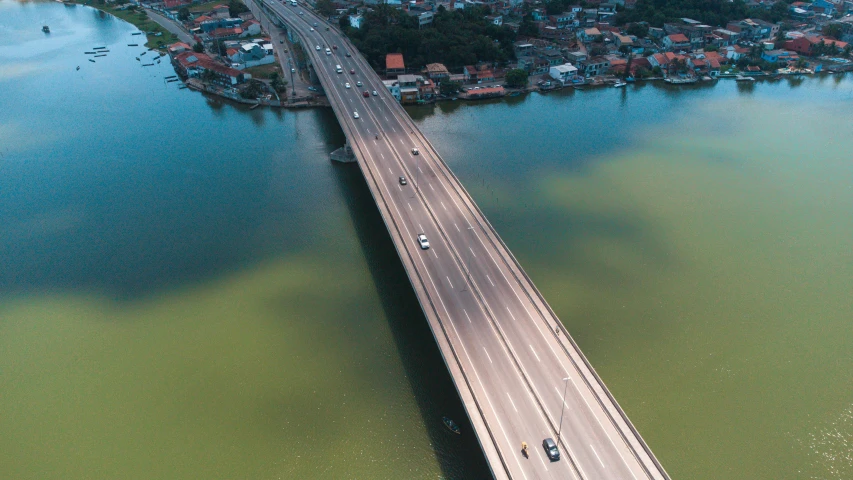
(516, 77)
(832, 30)
(449, 88)
(639, 30)
(198, 47)
(277, 83)
(253, 89)
(847, 50)
(326, 8)
(183, 14)
(236, 7)
(344, 22)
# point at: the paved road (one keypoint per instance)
(496, 333)
(171, 26)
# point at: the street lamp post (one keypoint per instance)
(562, 409)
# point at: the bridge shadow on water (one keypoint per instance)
(458, 456)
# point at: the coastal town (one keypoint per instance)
(225, 49)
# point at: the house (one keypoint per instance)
(437, 72)
(563, 20)
(805, 45)
(233, 55)
(226, 33)
(355, 21)
(411, 87)
(495, 19)
(393, 86)
(713, 67)
(778, 56)
(179, 47)
(201, 19)
(622, 40)
(193, 64)
(251, 28)
(394, 64)
(221, 11)
(425, 18)
(676, 41)
(554, 57)
(594, 66)
(486, 92)
(735, 53)
(589, 35)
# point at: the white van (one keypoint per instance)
(339, 69)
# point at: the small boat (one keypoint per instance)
(619, 84)
(137, 59)
(136, 33)
(45, 29)
(182, 87)
(99, 48)
(143, 53)
(91, 60)
(147, 64)
(630, 80)
(101, 55)
(451, 425)
(514, 94)
(741, 78)
(171, 76)
(90, 53)
(78, 67)
(132, 44)
(172, 80)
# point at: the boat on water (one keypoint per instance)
(514, 94)
(91, 60)
(78, 67)
(101, 55)
(147, 64)
(143, 53)
(45, 29)
(451, 425)
(619, 84)
(741, 78)
(136, 33)
(630, 80)
(99, 48)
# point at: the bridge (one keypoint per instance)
(519, 374)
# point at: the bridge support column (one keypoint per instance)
(343, 154)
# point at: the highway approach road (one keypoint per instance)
(510, 358)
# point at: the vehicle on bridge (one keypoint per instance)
(424, 243)
(365, 94)
(359, 84)
(375, 93)
(328, 52)
(347, 54)
(317, 48)
(346, 85)
(551, 449)
(352, 71)
(339, 69)
(354, 114)
(415, 151)
(403, 181)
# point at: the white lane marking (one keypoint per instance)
(510, 400)
(409, 204)
(451, 283)
(472, 252)
(466, 315)
(419, 169)
(442, 205)
(534, 354)
(435, 254)
(383, 156)
(542, 460)
(386, 117)
(401, 188)
(430, 187)
(457, 228)
(421, 227)
(390, 171)
(374, 142)
(490, 280)
(596, 456)
(487, 355)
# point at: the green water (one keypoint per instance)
(192, 290)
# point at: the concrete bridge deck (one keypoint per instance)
(511, 360)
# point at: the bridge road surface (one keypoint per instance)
(494, 330)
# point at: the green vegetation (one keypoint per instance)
(715, 13)
(266, 72)
(183, 14)
(236, 7)
(326, 8)
(455, 38)
(516, 77)
(198, 47)
(204, 7)
(157, 36)
(449, 88)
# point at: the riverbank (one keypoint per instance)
(157, 36)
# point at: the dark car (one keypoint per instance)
(403, 181)
(352, 71)
(348, 54)
(365, 94)
(551, 449)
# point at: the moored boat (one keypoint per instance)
(451, 425)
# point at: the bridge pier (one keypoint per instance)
(343, 154)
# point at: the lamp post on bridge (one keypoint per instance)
(562, 410)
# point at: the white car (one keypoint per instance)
(293, 70)
(423, 242)
(317, 48)
(358, 83)
(300, 13)
(415, 151)
(375, 93)
(311, 29)
(354, 114)
(346, 85)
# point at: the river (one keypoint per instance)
(189, 289)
